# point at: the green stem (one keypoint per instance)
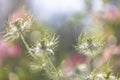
(91, 64)
(91, 61)
(27, 46)
(51, 63)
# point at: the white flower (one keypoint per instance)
(101, 76)
(50, 50)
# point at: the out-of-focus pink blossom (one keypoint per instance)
(3, 51)
(15, 16)
(15, 51)
(98, 16)
(9, 51)
(73, 61)
(18, 14)
(109, 52)
(112, 14)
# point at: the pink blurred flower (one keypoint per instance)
(18, 14)
(112, 14)
(98, 16)
(73, 61)
(109, 52)
(3, 51)
(15, 51)
(9, 51)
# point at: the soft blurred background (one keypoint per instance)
(67, 18)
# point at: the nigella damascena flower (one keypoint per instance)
(11, 33)
(47, 43)
(42, 48)
(101, 76)
(37, 48)
(15, 27)
(104, 72)
(90, 45)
